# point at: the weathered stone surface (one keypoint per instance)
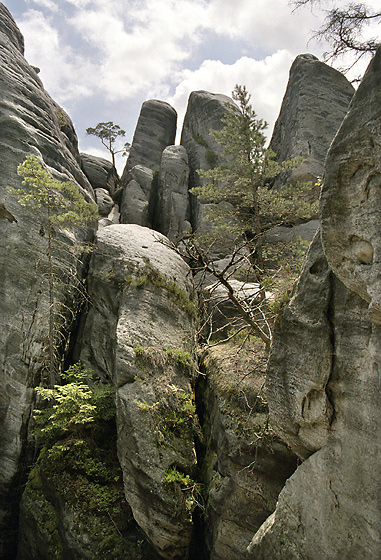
(283, 234)
(104, 201)
(141, 319)
(297, 381)
(329, 508)
(155, 130)
(204, 112)
(65, 510)
(245, 465)
(351, 197)
(10, 31)
(172, 212)
(29, 124)
(138, 197)
(100, 172)
(314, 105)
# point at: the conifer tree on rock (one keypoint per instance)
(64, 207)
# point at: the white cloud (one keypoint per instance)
(49, 4)
(121, 51)
(140, 49)
(66, 74)
(266, 80)
(268, 25)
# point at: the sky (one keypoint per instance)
(101, 59)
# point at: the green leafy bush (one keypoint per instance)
(74, 405)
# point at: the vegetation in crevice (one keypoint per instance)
(79, 465)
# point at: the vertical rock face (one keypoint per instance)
(30, 123)
(300, 408)
(329, 508)
(172, 209)
(204, 112)
(138, 333)
(155, 130)
(314, 105)
(351, 210)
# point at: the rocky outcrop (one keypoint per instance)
(350, 209)
(172, 212)
(302, 417)
(314, 105)
(139, 333)
(155, 130)
(204, 112)
(100, 172)
(31, 123)
(329, 508)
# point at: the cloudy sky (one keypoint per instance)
(101, 59)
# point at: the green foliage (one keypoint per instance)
(181, 418)
(75, 405)
(143, 405)
(64, 203)
(63, 206)
(181, 356)
(200, 140)
(62, 119)
(191, 490)
(241, 181)
(108, 132)
(174, 475)
(211, 157)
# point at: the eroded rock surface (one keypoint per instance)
(100, 172)
(314, 105)
(244, 465)
(139, 333)
(138, 197)
(155, 130)
(351, 210)
(30, 123)
(297, 381)
(172, 210)
(329, 508)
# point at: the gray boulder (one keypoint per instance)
(172, 211)
(302, 416)
(139, 332)
(350, 209)
(313, 107)
(31, 123)
(329, 508)
(104, 201)
(244, 465)
(100, 172)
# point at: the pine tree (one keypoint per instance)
(242, 181)
(63, 206)
(108, 132)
